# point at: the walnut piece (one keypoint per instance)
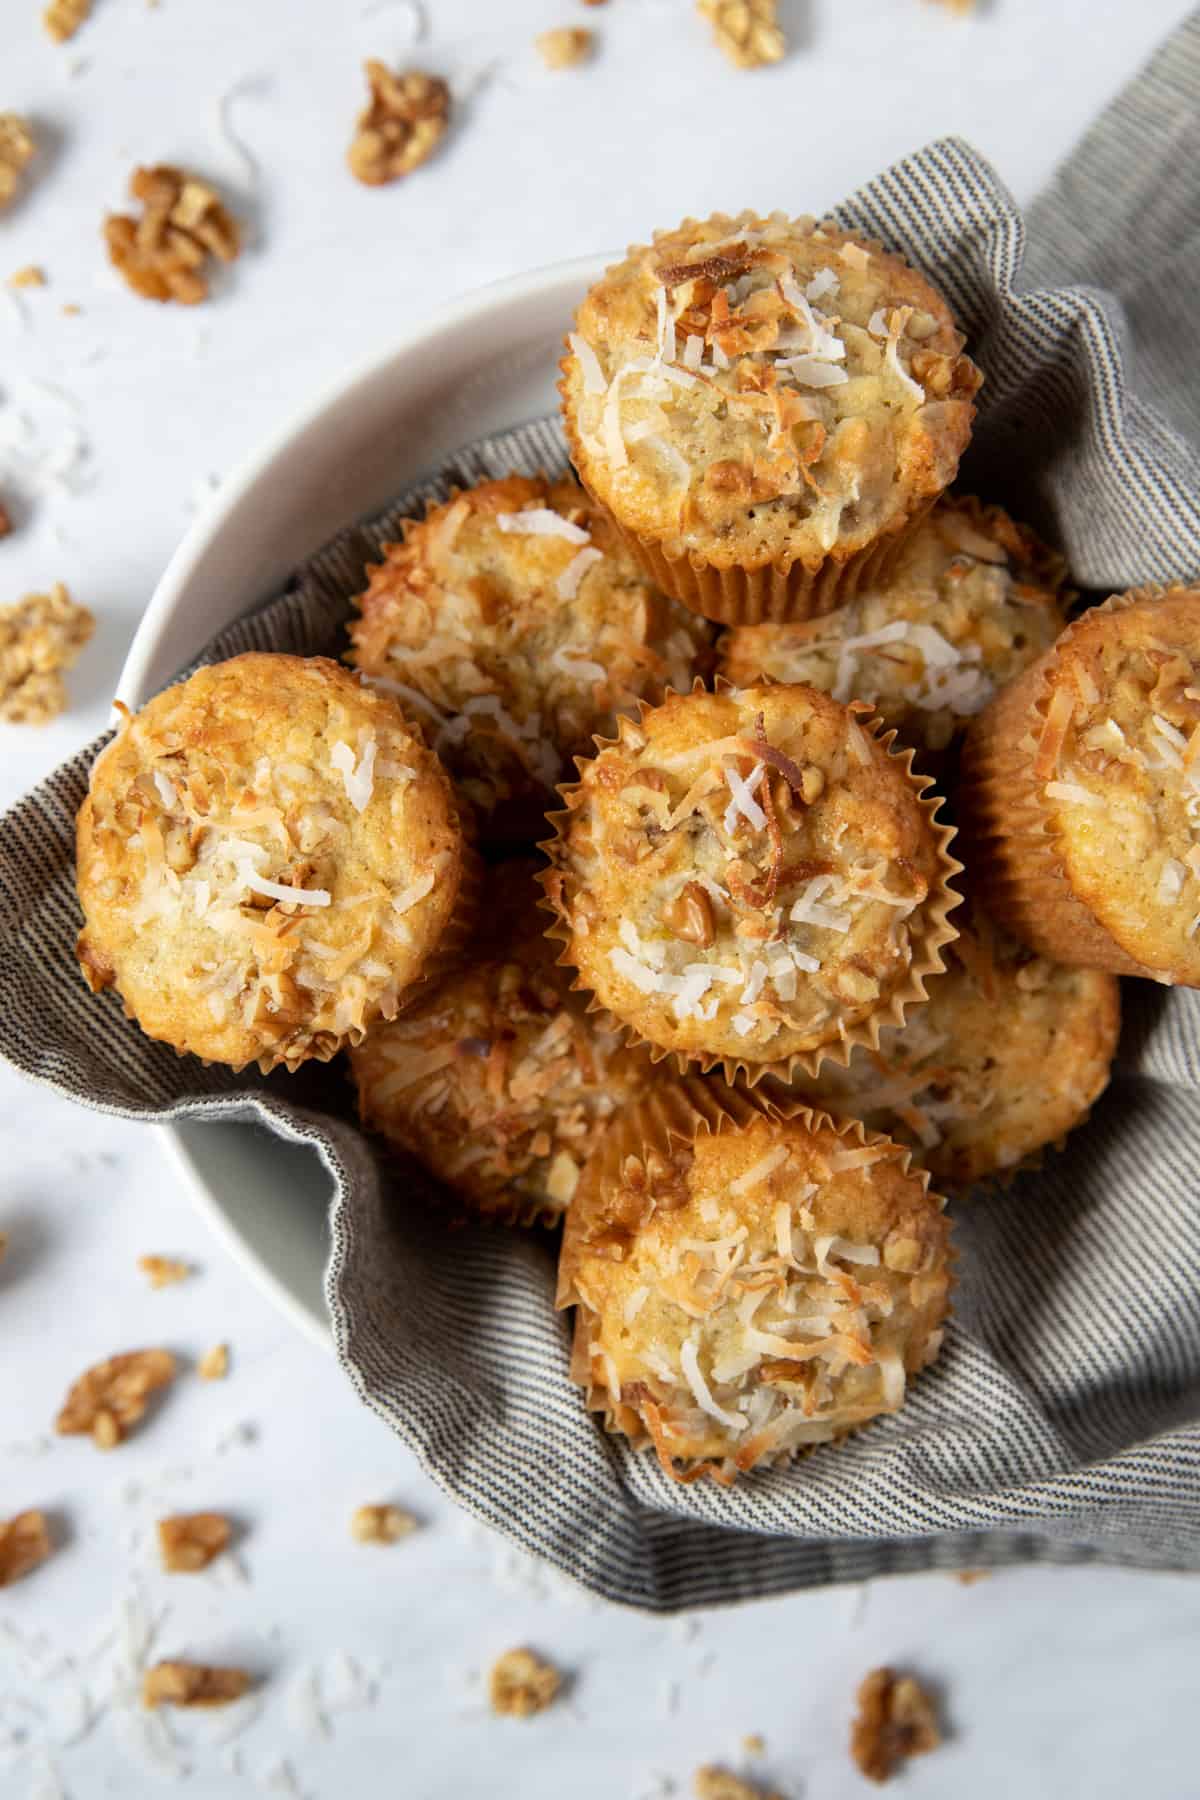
(895, 1720)
(16, 150)
(564, 48)
(28, 277)
(110, 1398)
(214, 1364)
(163, 1271)
(521, 1684)
(690, 916)
(400, 127)
(190, 1541)
(24, 1543)
(713, 1783)
(746, 30)
(164, 254)
(381, 1524)
(192, 1684)
(62, 18)
(6, 524)
(39, 636)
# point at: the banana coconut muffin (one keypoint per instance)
(516, 624)
(1009, 1054)
(747, 878)
(269, 859)
(973, 600)
(766, 406)
(1081, 792)
(748, 1285)
(499, 1082)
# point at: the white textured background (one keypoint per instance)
(1055, 1683)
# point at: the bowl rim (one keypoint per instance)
(464, 309)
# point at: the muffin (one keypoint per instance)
(268, 859)
(766, 406)
(516, 624)
(1009, 1054)
(748, 1284)
(1081, 792)
(750, 878)
(499, 1082)
(973, 600)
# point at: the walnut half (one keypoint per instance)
(895, 1720)
(190, 1541)
(192, 1684)
(24, 1543)
(521, 1684)
(163, 255)
(110, 1398)
(401, 126)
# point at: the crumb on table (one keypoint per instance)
(190, 1541)
(521, 1684)
(163, 1271)
(164, 254)
(31, 276)
(401, 126)
(17, 147)
(214, 1364)
(714, 1783)
(192, 1684)
(565, 47)
(62, 18)
(6, 524)
(39, 636)
(381, 1524)
(25, 1542)
(110, 1398)
(895, 1720)
(747, 31)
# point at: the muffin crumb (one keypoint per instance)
(39, 636)
(381, 1524)
(747, 31)
(163, 255)
(62, 18)
(401, 126)
(192, 1684)
(31, 276)
(521, 1684)
(214, 1364)
(109, 1399)
(190, 1541)
(25, 1542)
(565, 47)
(714, 1783)
(163, 1271)
(17, 147)
(895, 1720)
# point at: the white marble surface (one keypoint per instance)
(1055, 1683)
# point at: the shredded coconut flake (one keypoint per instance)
(589, 364)
(760, 1171)
(542, 521)
(877, 323)
(743, 801)
(689, 1362)
(567, 585)
(1071, 791)
(278, 890)
(359, 780)
(1170, 882)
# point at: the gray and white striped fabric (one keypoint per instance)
(1062, 1423)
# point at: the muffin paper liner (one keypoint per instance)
(936, 932)
(674, 1113)
(1008, 832)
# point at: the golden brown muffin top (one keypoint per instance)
(744, 877)
(1010, 1053)
(1118, 760)
(761, 390)
(517, 626)
(499, 1082)
(973, 600)
(267, 857)
(757, 1290)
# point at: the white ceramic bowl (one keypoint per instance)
(486, 362)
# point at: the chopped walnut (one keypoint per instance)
(190, 1541)
(163, 255)
(400, 127)
(39, 636)
(712, 1783)
(62, 18)
(163, 1271)
(754, 1743)
(690, 916)
(961, 7)
(895, 1720)
(968, 1577)
(6, 523)
(110, 1398)
(24, 1543)
(28, 277)
(192, 1684)
(746, 30)
(521, 1684)
(381, 1524)
(214, 1364)
(564, 48)
(16, 150)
